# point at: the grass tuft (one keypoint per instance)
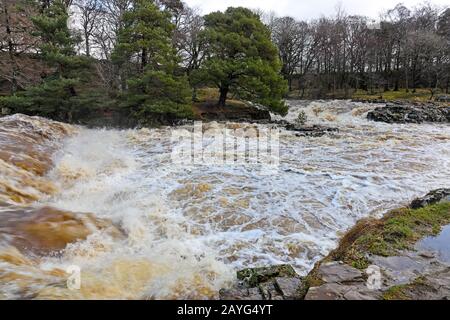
(421, 95)
(399, 230)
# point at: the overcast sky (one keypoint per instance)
(309, 9)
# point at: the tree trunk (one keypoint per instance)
(406, 79)
(88, 47)
(223, 96)
(194, 94)
(143, 59)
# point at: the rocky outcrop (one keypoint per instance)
(431, 198)
(305, 130)
(311, 131)
(443, 98)
(341, 282)
(394, 113)
(271, 283)
(411, 273)
(376, 260)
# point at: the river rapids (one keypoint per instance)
(113, 204)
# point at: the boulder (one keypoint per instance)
(443, 98)
(269, 283)
(252, 277)
(341, 282)
(338, 272)
(431, 198)
(310, 131)
(289, 287)
(270, 291)
(241, 293)
(394, 113)
(334, 291)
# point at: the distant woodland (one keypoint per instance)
(150, 58)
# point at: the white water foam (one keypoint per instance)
(187, 228)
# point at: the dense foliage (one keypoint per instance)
(145, 59)
(242, 59)
(156, 87)
(57, 96)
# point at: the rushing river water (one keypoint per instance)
(138, 226)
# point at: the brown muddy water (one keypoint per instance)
(139, 226)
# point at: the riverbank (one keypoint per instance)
(417, 95)
(403, 256)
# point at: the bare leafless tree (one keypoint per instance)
(16, 40)
(188, 41)
(88, 12)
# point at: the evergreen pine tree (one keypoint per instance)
(156, 89)
(57, 96)
(242, 59)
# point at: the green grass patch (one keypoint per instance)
(211, 96)
(207, 102)
(396, 293)
(207, 94)
(407, 291)
(399, 230)
(420, 95)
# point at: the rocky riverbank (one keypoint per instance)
(410, 113)
(403, 256)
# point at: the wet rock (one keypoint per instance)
(434, 286)
(341, 282)
(290, 288)
(264, 291)
(431, 198)
(310, 131)
(270, 291)
(253, 277)
(394, 113)
(443, 98)
(304, 130)
(428, 255)
(326, 292)
(355, 295)
(338, 272)
(335, 291)
(241, 293)
(400, 269)
(271, 283)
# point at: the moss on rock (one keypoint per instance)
(253, 277)
(399, 230)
